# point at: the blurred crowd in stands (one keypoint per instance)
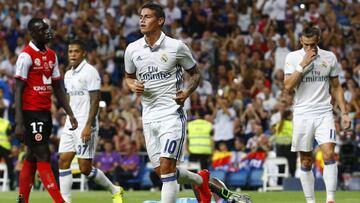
(240, 47)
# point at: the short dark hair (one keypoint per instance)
(311, 32)
(78, 42)
(32, 22)
(159, 11)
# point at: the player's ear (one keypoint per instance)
(161, 21)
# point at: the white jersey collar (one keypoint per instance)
(79, 67)
(157, 43)
(33, 46)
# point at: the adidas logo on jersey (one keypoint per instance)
(139, 58)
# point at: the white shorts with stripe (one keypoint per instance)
(165, 139)
(70, 141)
(306, 129)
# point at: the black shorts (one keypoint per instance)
(38, 125)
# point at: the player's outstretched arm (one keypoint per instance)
(20, 128)
(61, 97)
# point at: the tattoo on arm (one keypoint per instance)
(94, 107)
(194, 79)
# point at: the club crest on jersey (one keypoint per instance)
(37, 62)
(323, 64)
(38, 137)
(164, 58)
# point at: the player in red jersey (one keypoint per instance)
(37, 74)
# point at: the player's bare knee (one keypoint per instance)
(85, 170)
(64, 163)
(157, 171)
(306, 160)
(85, 166)
(167, 165)
(329, 155)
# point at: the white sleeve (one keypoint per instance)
(93, 80)
(335, 67)
(23, 64)
(130, 67)
(184, 57)
(289, 66)
(56, 72)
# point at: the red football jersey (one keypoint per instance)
(38, 69)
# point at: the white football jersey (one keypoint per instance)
(78, 83)
(312, 96)
(161, 68)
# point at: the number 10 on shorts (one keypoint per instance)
(170, 146)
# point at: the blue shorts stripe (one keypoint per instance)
(168, 179)
(329, 162)
(65, 173)
(306, 169)
(183, 120)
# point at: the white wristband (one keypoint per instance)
(299, 68)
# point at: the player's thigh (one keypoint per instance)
(303, 134)
(85, 150)
(172, 138)
(325, 131)
(38, 127)
(152, 142)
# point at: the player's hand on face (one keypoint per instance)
(181, 96)
(19, 132)
(346, 121)
(138, 87)
(74, 123)
(309, 56)
(86, 134)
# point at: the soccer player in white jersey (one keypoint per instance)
(154, 68)
(310, 72)
(82, 84)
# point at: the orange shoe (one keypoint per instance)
(203, 189)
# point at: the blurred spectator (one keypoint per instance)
(199, 139)
(128, 165)
(282, 139)
(223, 117)
(5, 146)
(108, 160)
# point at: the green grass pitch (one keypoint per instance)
(140, 196)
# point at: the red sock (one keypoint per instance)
(49, 182)
(26, 179)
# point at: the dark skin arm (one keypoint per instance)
(94, 108)
(20, 128)
(194, 81)
(62, 99)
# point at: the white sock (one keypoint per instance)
(170, 188)
(65, 181)
(308, 183)
(330, 179)
(99, 177)
(185, 176)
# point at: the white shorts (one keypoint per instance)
(70, 141)
(165, 139)
(305, 130)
